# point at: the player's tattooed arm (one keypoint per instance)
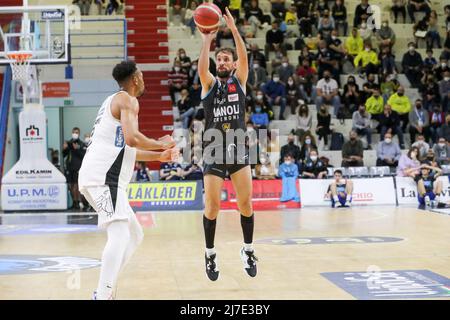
(242, 62)
(129, 120)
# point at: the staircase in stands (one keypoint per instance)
(148, 45)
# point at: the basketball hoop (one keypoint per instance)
(20, 65)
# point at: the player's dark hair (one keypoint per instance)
(227, 50)
(338, 171)
(76, 128)
(123, 71)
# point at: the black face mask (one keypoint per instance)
(418, 106)
(327, 77)
(291, 142)
(400, 94)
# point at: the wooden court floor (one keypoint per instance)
(170, 264)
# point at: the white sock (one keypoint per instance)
(210, 252)
(248, 247)
(336, 199)
(112, 257)
(438, 198)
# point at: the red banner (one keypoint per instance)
(56, 89)
(266, 196)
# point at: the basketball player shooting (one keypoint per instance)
(108, 166)
(226, 93)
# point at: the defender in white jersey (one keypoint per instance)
(107, 168)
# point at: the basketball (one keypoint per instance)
(207, 17)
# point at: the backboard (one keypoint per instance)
(42, 31)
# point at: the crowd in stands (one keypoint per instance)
(311, 89)
(102, 7)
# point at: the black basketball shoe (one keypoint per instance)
(211, 267)
(249, 260)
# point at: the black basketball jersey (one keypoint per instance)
(224, 108)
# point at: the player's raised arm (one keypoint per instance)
(241, 51)
(206, 78)
(128, 119)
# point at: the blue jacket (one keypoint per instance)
(274, 89)
(260, 119)
(288, 170)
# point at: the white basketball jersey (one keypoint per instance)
(108, 160)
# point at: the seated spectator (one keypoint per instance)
(115, 6)
(274, 40)
(418, 6)
(189, 18)
(389, 86)
(433, 36)
(84, 5)
(178, 80)
(430, 61)
(444, 130)
(259, 118)
(288, 171)
(323, 124)
(408, 164)
(437, 119)
(290, 148)
(325, 25)
(412, 64)
(256, 56)
(442, 152)
(354, 44)
(327, 92)
(422, 146)
(340, 191)
(430, 93)
(361, 124)
(339, 13)
(254, 16)
(326, 61)
(291, 16)
(257, 75)
(372, 82)
(306, 76)
(234, 7)
(176, 8)
(313, 167)
(193, 171)
(192, 73)
(293, 94)
(390, 123)
(399, 6)
(170, 171)
(375, 104)
(439, 70)
(185, 108)
(444, 91)
(351, 94)
(429, 188)
(388, 152)
(401, 104)
(261, 100)
(366, 33)
(353, 151)
(142, 173)
(367, 61)
(286, 70)
(385, 36)
(361, 13)
(265, 170)
(305, 17)
(275, 93)
(278, 9)
(308, 144)
(304, 121)
(419, 121)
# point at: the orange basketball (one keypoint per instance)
(207, 17)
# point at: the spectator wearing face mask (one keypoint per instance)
(401, 104)
(444, 130)
(336, 47)
(366, 33)
(323, 125)
(257, 75)
(274, 39)
(313, 167)
(390, 123)
(178, 80)
(325, 25)
(189, 18)
(290, 148)
(142, 173)
(73, 152)
(442, 152)
(264, 170)
(304, 121)
(412, 64)
(388, 152)
(351, 95)
(388, 86)
(259, 118)
(361, 13)
(437, 119)
(308, 144)
(385, 36)
(354, 44)
(419, 121)
(339, 13)
(399, 6)
(186, 108)
(361, 124)
(367, 60)
(440, 69)
(286, 70)
(444, 91)
(375, 104)
(293, 95)
(261, 100)
(256, 56)
(418, 6)
(193, 76)
(306, 77)
(422, 146)
(288, 171)
(275, 93)
(327, 92)
(352, 151)
(185, 61)
(408, 164)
